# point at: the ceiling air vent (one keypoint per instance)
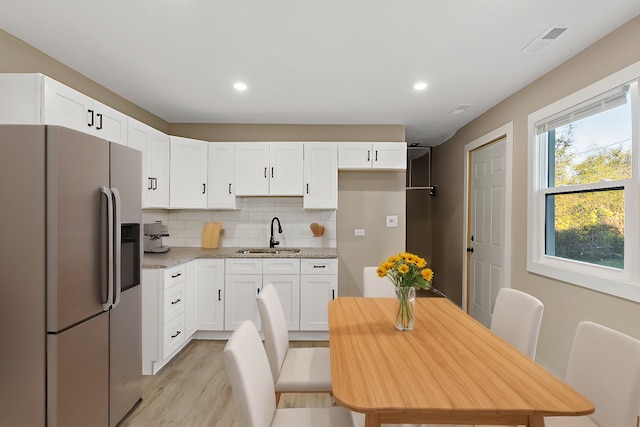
(545, 38)
(460, 109)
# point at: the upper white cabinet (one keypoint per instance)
(155, 163)
(269, 169)
(221, 191)
(188, 173)
(38, 99)
(376, 155)
(320, 175)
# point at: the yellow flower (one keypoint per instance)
(406, 270)
(427, 274)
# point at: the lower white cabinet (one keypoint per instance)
(284, 275)
(318, 286)
(210, 304)
(216, 295)
(164, 308)
(243, 282)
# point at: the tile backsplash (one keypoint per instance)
(249, 225)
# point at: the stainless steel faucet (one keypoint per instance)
(272, 242)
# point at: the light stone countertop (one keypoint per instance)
(176, 256)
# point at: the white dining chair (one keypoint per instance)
(293, 370)
(604, 365)
(516, 319)
(253, 391)
(376, 287)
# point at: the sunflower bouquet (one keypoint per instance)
(407, 272)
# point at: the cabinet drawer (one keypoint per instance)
(173, 276)
(174, 302)
(243, 266)
(174, 336)
(281, 266)
(319, 266)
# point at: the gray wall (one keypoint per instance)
(565, 304)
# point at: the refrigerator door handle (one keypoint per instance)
(107, 192)
(117, 243)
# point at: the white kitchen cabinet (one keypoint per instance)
(318, 286)
(221, 187)
(38, 99)
(376, 155)
(320, 175)
(164, 302)
(154, 146)
(188, 173)
(284, 275)
(191, 296)
(243, 282)
(210, 306)
(264, 169)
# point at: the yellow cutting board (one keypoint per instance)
(211, 235)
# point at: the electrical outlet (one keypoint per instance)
(392, 221)
(359, 231)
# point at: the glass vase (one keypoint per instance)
(405, 308)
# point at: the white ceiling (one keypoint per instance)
(313, 62)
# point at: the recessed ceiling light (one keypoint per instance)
(420, 86)
(240, 87)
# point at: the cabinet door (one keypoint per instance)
(288, 288)
(315, 293)
(110, 124)
(154, 146)
(210, 295)
(389, 155)
(158, 154)
(354, 155)
(252, 169)
(221, 193)
(191, 296)
(240, 300)
(320, 175)
(188, 173)
(285, 169)
(67, 107)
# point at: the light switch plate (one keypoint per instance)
(359, 231)
(392, 220)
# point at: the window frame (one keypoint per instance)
(623, 283)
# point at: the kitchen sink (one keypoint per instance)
(267, 251)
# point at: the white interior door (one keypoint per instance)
(486, 236)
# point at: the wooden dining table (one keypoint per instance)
(449, 370)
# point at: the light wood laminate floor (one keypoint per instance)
(194, 390)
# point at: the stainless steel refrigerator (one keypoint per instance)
(70, 308)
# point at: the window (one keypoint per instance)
(583, 223)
